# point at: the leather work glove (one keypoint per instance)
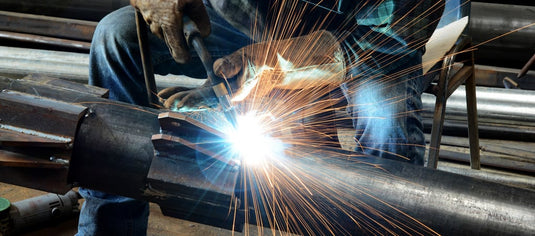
(185, 99)
(295, 63)
(165, 18)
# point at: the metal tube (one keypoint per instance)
(447, 203)
(490, 20)
(510, 106)
(326, 191)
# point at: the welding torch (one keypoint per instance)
(195, 41)
(219, 85)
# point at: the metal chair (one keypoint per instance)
(448, 81)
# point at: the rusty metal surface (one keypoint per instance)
(68, 85)
(204, 189)
(50, 41)
(40, 114)
(36, 136)
(13, 159)
(10, 138)
(42, 89)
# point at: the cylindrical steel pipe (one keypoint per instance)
(324, 190)
(502, 113)
(490, 22)
(116, 137)
(449, 204)
(505, 105)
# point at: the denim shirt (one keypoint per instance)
(406, 21)
(392, 27)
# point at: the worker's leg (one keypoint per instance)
(107, 214)
(386, 109)
(115, 63)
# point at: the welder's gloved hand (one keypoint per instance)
(185, 99)
(165, 18)
(295, 63)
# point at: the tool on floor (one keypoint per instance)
(37, 212)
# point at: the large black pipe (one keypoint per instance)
(113, 152)
(328, 190)
(489, 21)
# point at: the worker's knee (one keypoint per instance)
(115, 32)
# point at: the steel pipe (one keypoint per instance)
(491, 21)
(447, 203)
(316, 191)
(506, 105)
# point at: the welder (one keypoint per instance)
(373, 50)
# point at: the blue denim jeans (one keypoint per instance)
(115, 64)
(385, 104)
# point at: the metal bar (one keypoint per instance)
(75, 9)
(45, 40)
(494, 104)
(526, 67)
(471, 105)
(68, 85)
(148, 73)
(440, 109)
(13, 159)
(47, 26)
(46, 116)
(67, 65)
(459, 78)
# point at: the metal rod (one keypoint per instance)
(148, 73)
(526, 67)
(45, 40)
(471, 104)
(56, 27)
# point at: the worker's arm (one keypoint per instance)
(165, 18)
(296, 63)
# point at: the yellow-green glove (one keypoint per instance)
(296, 63)
(165, 18)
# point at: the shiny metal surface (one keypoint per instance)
(507, 105)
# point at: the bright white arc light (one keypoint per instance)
(252, 143)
